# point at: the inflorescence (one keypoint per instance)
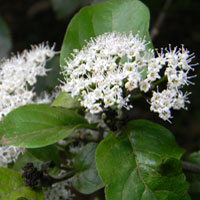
(105, 72)
(17, 77)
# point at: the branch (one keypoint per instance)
(46, 180)
(65, 177)
(83, 138)
(155, 30)
(190, 167)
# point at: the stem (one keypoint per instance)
(160, 20)
(164, 78)
(138, 96)
(84, 138)
(65, 177)
(190, 167)
(141, 95)
(47, 181)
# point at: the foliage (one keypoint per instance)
(12, 187)
(90, 22)
(130, 159)
(143, 162)
(86, 179)
(40, 125)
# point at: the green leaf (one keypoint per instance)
(12, 187)
(114, 15)
(5, 39)
(86, 179)
(66, 101)
(39, 125)
(25, 158)
(194, 178)
(48, 153)
(142, 164)
(37, 156)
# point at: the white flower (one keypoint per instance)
(107, 70)
(180, 101)
(17, 75)
(59, 191)
(177, 65)
(145, 85)
(103, 68)
(153, 70)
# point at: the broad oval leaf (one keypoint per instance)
(39, 125)
(86, 179)
(114, 15)
(135, 165)
(12, 187)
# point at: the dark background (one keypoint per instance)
(35, 21)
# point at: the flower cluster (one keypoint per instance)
(99, 72)
(176, 65)
(107, 70)
(59, 191)
(17, 76)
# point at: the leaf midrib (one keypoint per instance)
(138, 170)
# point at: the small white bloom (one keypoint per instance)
(145, 85)
(180, 101)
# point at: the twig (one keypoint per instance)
(190, 167)
(155, 30)
(65, 177)
(46, 180)
(83, 138)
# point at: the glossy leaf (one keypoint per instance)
(113, 15)
(39, 125)
(48, 153)
(142, 164)
(12, 187)
(86, 179)
(66, 101)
